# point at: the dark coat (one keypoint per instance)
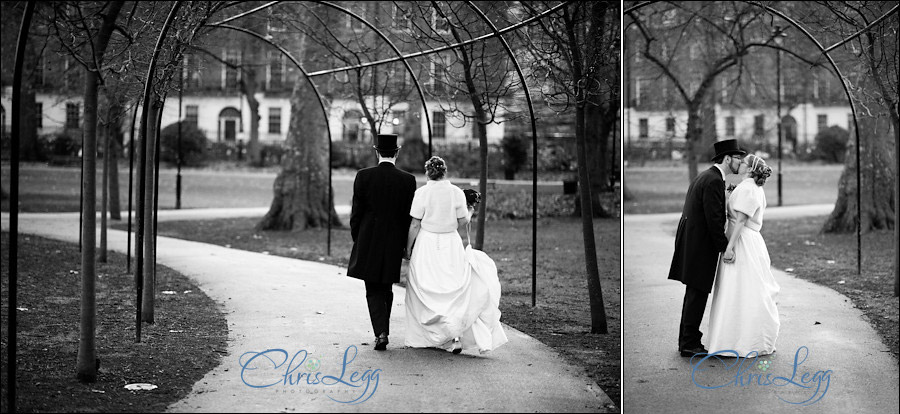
(701, 232)
(379, 222)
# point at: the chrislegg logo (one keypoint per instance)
(751, 370)
(303, 373)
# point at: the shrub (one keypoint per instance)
(192, 146)
(831, 144)
(413, 154)
(354, 155)
(515, 155)
(272, 154)
(63, 145)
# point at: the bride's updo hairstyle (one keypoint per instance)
(435, 168)
(759, 171)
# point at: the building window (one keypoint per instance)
(695, 51)
(642, 92)
(191, 115)
(729, 126)
(73, 115)
(437, 77)
(439, 125)
(670, 125)
(274, 120)
(191, 72)
(276, 71)
(759, 125)
(643, 129)
(822, 121)
(39, 71)
(231, 74)
(72, 77)
(39, 115)
(400, 18)
(362, 11)
(438, 23)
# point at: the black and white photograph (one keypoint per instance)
(760, 197)
(307, 206)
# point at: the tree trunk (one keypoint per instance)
(592, 271)
(29, 149)
(87, 363)
(482, 180)
(301, 188)
(877, 181)
(114, 134)
(595, 291)
(597, 130)
(248, 84)
(149, 286)
(692, 138)
(104, 198)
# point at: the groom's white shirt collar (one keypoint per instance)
(390, 160)
(720, 170)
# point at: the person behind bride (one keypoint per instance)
(743, 316)
(453, 293)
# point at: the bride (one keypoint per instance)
(452, 293)
(743, 317)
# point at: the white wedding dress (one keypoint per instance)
(452, 293)
(743, 316)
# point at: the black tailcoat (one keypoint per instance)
(701, 232)
(379, 222)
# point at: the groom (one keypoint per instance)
(699, 240)
(379, 224)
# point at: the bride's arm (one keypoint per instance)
(414, 227)
(740, 220)
(462, 221)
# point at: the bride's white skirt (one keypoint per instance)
(743, 316)
(452, 293)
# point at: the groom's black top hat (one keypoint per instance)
(727, 147)
(386, 142)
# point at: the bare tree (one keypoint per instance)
(472, 83)
(873, 60)
(301, 194)
(692, 44)
(377, 90)
(104, 15)
(579, 53)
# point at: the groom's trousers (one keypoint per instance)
(380, 298)
(691, 316)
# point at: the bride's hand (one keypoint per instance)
(728, 257)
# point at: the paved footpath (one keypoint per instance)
(273, 302)
(863, 375)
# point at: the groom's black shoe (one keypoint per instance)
(689, 352)
(381, 342)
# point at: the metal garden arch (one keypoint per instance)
(846, 87)
(144, 104)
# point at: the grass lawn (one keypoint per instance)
(662, 189)
(56, 189)
(561, 318)
(187, 340)
(830, 260)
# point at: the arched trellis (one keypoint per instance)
(145, 98)
(846, 87)
(403, 58)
